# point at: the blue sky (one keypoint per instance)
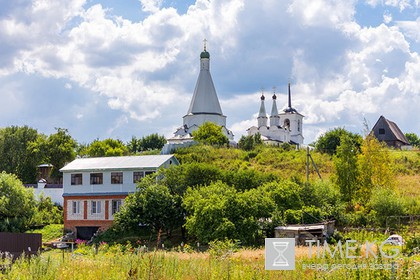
(116, 68)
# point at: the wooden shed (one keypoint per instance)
(387, 131)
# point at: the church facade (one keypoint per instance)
(204, 106)
(285, 127)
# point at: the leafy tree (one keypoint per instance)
(384, 203)
(346, 169)
(152, 142)
(21, 151)
(133, 145)
(374, 168)
(47, 212)
(328, 142)
(106, 148)
(219, 211)
(16, 204)
(210, 134)
(413, 139)
(152, 205)
(249, 143)
(60, 150)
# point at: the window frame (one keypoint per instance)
(117, 178)
(115, 206)
(95, 207)
(75, 207)
(74, 179)
(136, 175)
(96, 178)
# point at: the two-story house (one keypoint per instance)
(94, 188)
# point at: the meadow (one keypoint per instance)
(126, 262)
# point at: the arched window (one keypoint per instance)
(287, 123)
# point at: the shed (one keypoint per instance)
(387, 131)
(318, 231)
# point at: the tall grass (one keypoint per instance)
(119, 262)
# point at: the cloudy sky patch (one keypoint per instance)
(107, 68)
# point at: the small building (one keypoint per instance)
(318, 231)
(95, 189)
(387, 131)
(47, 186)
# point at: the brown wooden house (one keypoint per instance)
(389, 132)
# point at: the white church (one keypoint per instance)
(285, 127)
(204, 106)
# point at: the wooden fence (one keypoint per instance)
(18, 243)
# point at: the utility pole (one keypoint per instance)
(307, 164)
(308, 155)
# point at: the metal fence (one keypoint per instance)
(19, 243)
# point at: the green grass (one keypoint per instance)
(50, 232)
(119, 262)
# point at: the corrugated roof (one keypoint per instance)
(111, 163)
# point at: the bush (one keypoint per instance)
(385, 203)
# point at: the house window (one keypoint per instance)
(148, 173)
(298, 125)
(381, 131)
(116, 177)
(137, 176)
(76, 179)
(116, 205)
(75, 207)
(96, 207)
(96, 178)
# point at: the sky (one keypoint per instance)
(117, 69)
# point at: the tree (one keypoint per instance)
(133, 145)
(346, 169)
(60, 150)
(219, 211)
(106, 148)
(16, 204)
(152, 142)
(210, 134)
(47, 212)
(21, 150)
(248, 143)
(328, 142)
(153, 205)
(413, 139)
(374, 168)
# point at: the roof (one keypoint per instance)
(301, 227)
(112, 163)
(205, 99)
(394, 129)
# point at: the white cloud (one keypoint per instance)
(411, 29)
(144, 71)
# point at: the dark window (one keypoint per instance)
(137, 176)
(116, 205)
(96, 178)
(381, 131)
(76, 179)
(148, 173)
(116, 177)
(76, 207)
(96, 207)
